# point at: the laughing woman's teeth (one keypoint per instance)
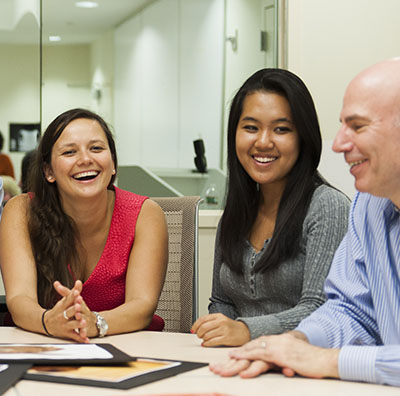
(264, 159)
(86, 175)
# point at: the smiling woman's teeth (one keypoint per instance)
(265, 159)
(86, 174)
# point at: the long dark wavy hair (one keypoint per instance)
(53, 233)
(243, 197)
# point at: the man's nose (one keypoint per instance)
(342, 142)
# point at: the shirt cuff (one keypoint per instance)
(357, 363)
(315, 335)
(259, 325)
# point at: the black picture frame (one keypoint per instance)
(128, 383)
(23, 136)
(12, 374)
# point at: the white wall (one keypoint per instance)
(168, 83)
(328, 43)
(66, 80)
(208, 223)
(243, 16)
(69, 74)
(102, 76)
(19, 91)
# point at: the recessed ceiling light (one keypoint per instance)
(86, 4)
(54, 38)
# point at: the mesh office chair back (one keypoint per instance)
(178, 303)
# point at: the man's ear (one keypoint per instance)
(48, 173)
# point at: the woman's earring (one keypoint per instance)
(257, 186)
(50, 178)
(113, 171)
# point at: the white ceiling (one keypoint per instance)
(62, 18)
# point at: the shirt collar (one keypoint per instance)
(395, 211)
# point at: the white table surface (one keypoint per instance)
(186, 347)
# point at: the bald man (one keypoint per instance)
(355, 335)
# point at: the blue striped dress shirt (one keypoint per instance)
(362, 313)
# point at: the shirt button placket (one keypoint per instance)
(252, 279)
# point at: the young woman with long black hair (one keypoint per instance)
(282, 221)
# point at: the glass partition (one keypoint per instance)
(105, 58)
(19, 77)
(78, 54)
(161, 72)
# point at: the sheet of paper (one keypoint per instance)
(53, 351)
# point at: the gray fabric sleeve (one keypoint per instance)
(219, 301)
(324, 227)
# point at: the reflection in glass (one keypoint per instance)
(19, 69)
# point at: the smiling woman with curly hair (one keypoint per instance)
(80, 257)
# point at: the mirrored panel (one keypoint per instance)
(152, 69)
(19, 77)
(78, 54)
(161, 72)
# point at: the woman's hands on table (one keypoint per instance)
(70, 317)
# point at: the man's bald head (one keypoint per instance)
(370, 132)
(381, 82)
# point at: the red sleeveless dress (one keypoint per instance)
(105, 287)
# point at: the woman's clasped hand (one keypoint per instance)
(217, 329)
(70, 317)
